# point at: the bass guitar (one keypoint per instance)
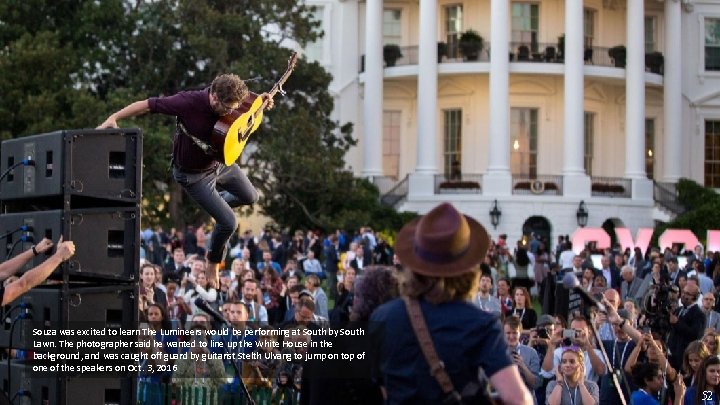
(231, 132)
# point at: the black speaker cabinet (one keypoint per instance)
(107, 240)
(65, 391)
(81, 306)
(79, 165)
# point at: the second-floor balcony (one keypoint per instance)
(533, 53)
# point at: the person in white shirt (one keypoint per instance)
(566, 257)
(593, 358)
(311, 265)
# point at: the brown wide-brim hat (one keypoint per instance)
(442, 243)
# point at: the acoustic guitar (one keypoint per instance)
(231, 132)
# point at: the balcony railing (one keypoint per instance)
(611, 187)
(524, 184)
(537, 53)
(666, 195)
(458, 184)
(396, 194)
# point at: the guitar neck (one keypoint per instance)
(283, 79)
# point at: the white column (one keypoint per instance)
(672, 97)
(497, 179)
(373, 100)
(574, 122)
(635, 92)
(427, 89)
(575, 181)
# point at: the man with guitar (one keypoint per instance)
(198, 166)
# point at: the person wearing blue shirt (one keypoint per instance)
(649, 378)
(706, 390)
(234, 339)
(441, 254)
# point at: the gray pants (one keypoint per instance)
(218, 191)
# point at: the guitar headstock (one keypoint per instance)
(291, 65)
(292, 61)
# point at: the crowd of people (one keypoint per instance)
(271, 282)
(655, 340)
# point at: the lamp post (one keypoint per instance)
(495, 214)
(582, 215)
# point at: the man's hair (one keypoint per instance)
(296, 289)
(513, 322)
(305, 302)
(229, 88)
(250, 280)
(437, 290)
(236, 302)
(314, 279)
(644, 372)
(628, 269)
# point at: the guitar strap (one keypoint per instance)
(436, 365)
(204, 146)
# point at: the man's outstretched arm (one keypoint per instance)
(38, 274)
(132, 110)
(10, 267)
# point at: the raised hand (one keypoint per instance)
(65, 249)
(44, 245)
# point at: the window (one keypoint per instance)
(452, 143)
(391, 144)
(392, 33)
(650, 34)
(589, 141)
(712, 154)
(453, 26)
(525, 23)
(712, 44)
(523, 130)
(589, 27)
(650, 148)
(315, 50)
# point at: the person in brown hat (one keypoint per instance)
(441, 254)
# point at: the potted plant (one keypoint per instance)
(618, 55)
(654, 62)
(391, 53)
(442, 50)
(471, 44)
(561, 47)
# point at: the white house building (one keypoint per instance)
(569, 106)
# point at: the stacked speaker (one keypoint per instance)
(84, 185)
